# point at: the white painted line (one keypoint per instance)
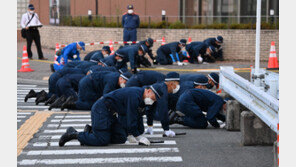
(59, 131)
(70, 120)
(99, 160)
(55, 137)
(80, 130)
(29, 88)
(83, 125)
(19, 120)
(73, 116)
(20, 85)
(26, 91)
(41, 107)
(102, 151)
(22, 101)
(23, 113)
(77, 143)
(22, 98)
(22, 116)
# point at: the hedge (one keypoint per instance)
(84, 21)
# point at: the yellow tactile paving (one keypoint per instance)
(29, 128)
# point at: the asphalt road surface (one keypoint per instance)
(204, 148)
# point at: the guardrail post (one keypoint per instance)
(254, 131)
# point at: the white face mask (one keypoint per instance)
(119, 60)
(148, 101)
(31, 12)
(122, 85)
(130, 11)
(176, 89)
(105, 55)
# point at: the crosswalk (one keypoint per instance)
(22, 91)
(22, 117)
(43, 149)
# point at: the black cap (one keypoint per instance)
(106, 48)
(219, 39)
(201, 81)
(126, 75)
(31, 7)
(214, 77)
(130, 7)
(150, 41)
(156, 88)
(183, 41)
(172, 76)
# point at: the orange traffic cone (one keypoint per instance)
(273, 63)
(111, 47)
(56, 56)
(25, 62)
(163, 41)
(189, 40)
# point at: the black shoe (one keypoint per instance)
(51, 68)
(155, 62)
(87, 128)
(51, 99)
(31, 58)
(43, 58)
(57, 103)
(172, 117)
(31, 94)
(41, 97)
(68, 136)
(69, 103)
(71, 130)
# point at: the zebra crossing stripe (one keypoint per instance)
(55, 137)
(77, 143)
(100, 160)
(82, 125)
(23, 113)
(102, 151)
(34, 88)
(19, 120)
(80, 130)
(20, 85)
(41, 107)
(21, 116)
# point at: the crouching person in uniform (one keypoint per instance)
(192, 103)
(106, 114)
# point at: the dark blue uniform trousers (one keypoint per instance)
(53, 79)
(87, 96)
(195, 119)
(65, 85)
(129, 35)
(162, 58)
(106, 128)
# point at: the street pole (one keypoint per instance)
(257, 56)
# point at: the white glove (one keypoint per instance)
(222, 126)
(149, 130)
(143, 140)
(131, 139)
(169, 133)
(180, 64)
(199, 59)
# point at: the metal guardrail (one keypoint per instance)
(265, 106)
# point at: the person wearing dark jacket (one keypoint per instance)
(105, 52)
(216, 43)
(173, 48)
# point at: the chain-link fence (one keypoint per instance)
(175, 22)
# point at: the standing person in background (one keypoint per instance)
(130, 22)
(30, 22)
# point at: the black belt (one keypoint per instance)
(129, 28)
(33, 28)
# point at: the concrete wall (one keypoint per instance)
(238, 44)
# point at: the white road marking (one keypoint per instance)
(22, 116)
(73, 116)
(20, 85)
(19, 120)
(102, 151)
(83, 125)
(41, 107)
(80, 130)
(77, 143)
(34, 88)
(23, 113)
(54, 137)
(73, 120)
(22, 98)
(99, 160)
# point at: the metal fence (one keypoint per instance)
(216, 22)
